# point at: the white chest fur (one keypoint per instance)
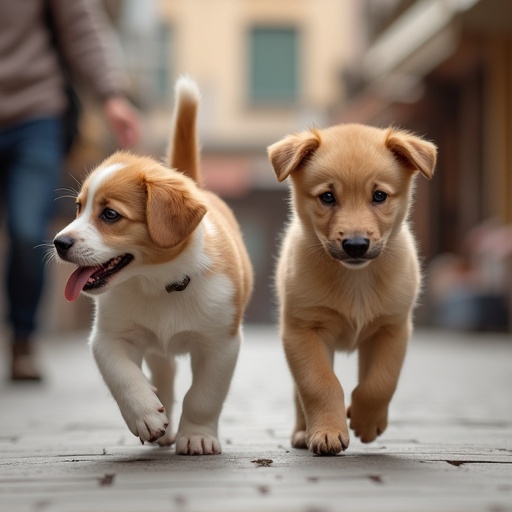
(141, 310)
(205, 309)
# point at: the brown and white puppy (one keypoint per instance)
(166, 265)
(348, 273)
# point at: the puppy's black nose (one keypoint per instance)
(355, 247)
(63, 244)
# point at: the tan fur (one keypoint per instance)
(237, 265)
(159, 208)
(183, 151)
(328, 303)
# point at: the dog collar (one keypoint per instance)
(178, 286)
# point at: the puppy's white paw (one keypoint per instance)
(145, 417)
(168, 438)
(152, 426)
(197, 443)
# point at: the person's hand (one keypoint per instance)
(123, 120)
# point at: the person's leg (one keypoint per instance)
(33, 176)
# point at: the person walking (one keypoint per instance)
(33, 102)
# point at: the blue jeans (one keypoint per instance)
(31, 157)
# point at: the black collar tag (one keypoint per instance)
(178, 286)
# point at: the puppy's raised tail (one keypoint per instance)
(183, 151)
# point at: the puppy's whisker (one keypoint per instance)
(66, 192)
(77, 181)
(71, 190)
(49, 253)
(44, 244)
(67, 196)
(48, 258)
(316, 250)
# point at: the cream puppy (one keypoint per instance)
(348, 273)
(165, 263)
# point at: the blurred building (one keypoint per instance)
(444, 69)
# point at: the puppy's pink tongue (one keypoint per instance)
(77, 281)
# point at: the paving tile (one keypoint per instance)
(64, 446)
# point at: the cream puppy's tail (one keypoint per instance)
(183, 152)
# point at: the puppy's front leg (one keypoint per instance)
(380, 361)
(213, 363)
(319, 389)
(119, 362)
(163, 370)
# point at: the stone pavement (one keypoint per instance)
(64, 446)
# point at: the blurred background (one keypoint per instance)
(442, 68)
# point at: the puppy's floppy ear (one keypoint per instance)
(286, 155)
(412, 152)
(172, 211)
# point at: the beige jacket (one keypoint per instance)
(31, 79)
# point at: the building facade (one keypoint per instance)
(443, 68)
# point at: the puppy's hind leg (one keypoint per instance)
(213, 363)
(299, 431)
(163, 370)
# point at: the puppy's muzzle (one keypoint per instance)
(63, 244)
(354, 251)
(355, 247)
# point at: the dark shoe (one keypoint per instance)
(23, 365)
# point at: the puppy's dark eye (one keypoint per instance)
(327, 198)
(379, 196)
(109, 215)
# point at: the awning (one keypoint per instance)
(421, 39)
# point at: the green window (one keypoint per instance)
(273, 64)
